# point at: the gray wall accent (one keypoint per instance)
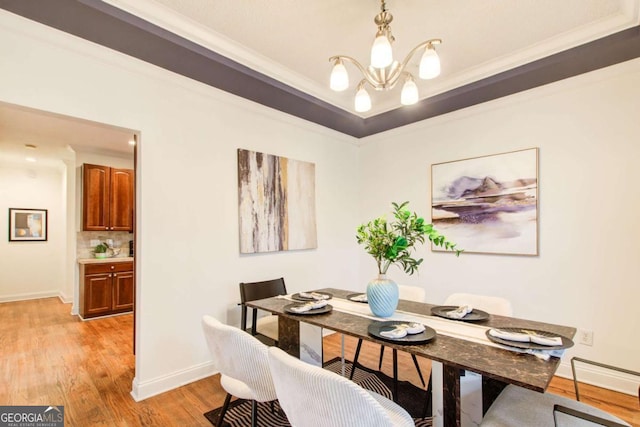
(116, 29)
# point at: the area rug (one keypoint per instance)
(410, 397)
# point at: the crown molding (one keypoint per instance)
(117, 29)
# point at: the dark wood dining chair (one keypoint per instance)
(266, 326)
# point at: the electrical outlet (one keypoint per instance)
(94, 242)
(585, 337)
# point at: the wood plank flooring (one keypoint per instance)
(52, 358)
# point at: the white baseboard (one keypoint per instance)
(600, 377)
(150, 388)
(28, 296)
(66, 299)
(89, 319)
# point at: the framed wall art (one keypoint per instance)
(27, 225)
(277, 208)
(488, 204)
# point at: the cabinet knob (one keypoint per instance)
(115, 274)
(113, 266)
(106, 228)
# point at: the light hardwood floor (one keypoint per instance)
(52, 358)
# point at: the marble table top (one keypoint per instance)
(500, 364)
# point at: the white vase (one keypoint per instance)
(383, 295)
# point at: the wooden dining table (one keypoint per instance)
(498, 366)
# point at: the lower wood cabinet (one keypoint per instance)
(106, 288)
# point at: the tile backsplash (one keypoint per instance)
(120, 240)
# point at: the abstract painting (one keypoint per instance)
(27, 225)
(277, 203)
(488, 204)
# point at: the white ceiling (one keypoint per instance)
(292, 40)
(56, 137)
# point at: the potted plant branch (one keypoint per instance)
(392, 243)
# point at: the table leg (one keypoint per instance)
(395, 375)
(301, 340)
(289, 336)
(311, 344)
(490, 390)
(342, 365)
(451, 396)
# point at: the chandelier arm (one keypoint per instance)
(417, 48)
(366, 74)
(393, 78)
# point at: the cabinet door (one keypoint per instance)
(97, 293)
(122, 200)
(123, 291)
(95, 197)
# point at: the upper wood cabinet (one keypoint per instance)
(107, 198)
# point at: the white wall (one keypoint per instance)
(188, 262)
(33, 269)
(587, 272)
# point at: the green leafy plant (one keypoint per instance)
(101, 248)
(392, 242)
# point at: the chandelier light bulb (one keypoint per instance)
(362, 101)
(339, 77)
(409, 94)
(429, 64)
(381, 53)
(383, 73)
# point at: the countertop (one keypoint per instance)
(105, 260)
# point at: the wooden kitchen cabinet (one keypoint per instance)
(106, 288)
(107, 198)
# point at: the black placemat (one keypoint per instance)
(566, 342)
(474, 316)
(297, 297)
(376, 328)
(327, 308)
(351, 296)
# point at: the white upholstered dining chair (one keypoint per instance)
(243, 364)
(314, 397)
(516, 406)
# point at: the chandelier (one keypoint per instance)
(385, 72)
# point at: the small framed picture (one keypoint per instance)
(27, 225)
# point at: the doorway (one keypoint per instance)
(41, 157)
